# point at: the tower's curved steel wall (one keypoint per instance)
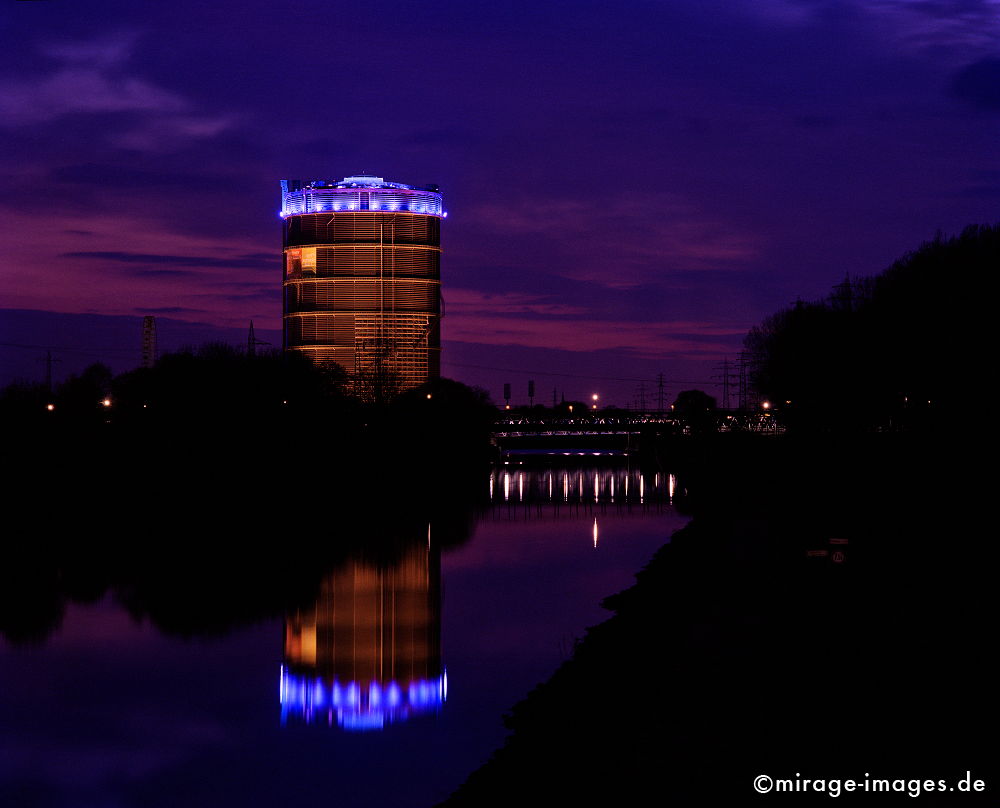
(362, 279)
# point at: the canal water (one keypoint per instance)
(386, 686)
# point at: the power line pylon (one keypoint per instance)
(642, 397)
(49, 361)
(743, 363)
(253, 342)
(727, 376)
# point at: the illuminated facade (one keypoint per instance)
(362, 280)
(369, 653)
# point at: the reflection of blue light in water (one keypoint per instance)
(357, 707)
(394, 696)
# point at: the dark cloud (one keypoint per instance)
(169, 310)
(250, 261)
(979, 84)
(952, 9)
(263, 293)
(122, 176)
(162, 273)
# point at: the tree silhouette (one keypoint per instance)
(898, 350)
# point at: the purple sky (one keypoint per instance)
(630, 186)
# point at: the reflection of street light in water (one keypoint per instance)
(595, 532)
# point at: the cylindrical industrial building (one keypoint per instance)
(362, 280)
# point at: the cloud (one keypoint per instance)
(978, 84)
(621, 240)
(507, 304)
(520, 319)
(93, 77)
(165, 133)
(956, 27)
(118, 175)
(945, 27)
(169, 310)
(108, 50)
(250, 260)
(77, 90)
(681, 340)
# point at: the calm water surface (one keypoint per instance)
(388, 691)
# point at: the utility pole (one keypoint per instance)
(659, 394)
(642, 397)
(531, 394)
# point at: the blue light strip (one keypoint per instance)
(359, 706)
(335, 200)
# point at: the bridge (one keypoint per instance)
(597, 436)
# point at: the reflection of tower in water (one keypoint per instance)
(369, 652)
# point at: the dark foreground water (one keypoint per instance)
(385, 687)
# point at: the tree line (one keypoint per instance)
(219, 384)
(903, 350)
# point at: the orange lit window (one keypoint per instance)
(293, 263)
(309, 260)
